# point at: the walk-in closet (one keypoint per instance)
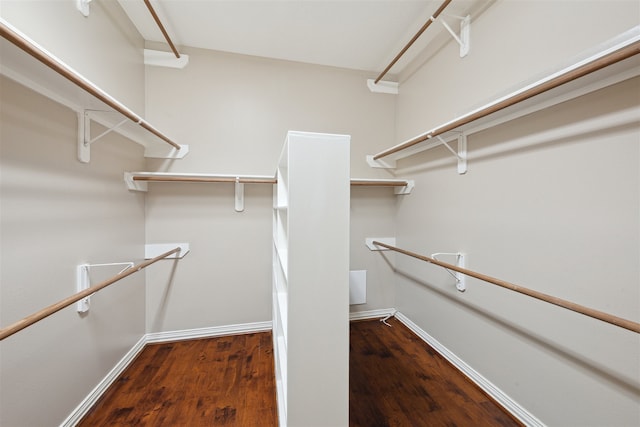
(320, 213)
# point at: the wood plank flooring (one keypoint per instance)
(224, 381)
(395, 380)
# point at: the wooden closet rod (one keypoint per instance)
(354, 182)
(47, 311)
(65, 71)
(413, 39)
(205, 179)
(583, 70)
(596, 314)
(374, 183)
(162, 29)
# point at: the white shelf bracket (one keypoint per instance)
(239, 197)
(134, 185)
(83, 281)
(460, 262)
(165, 59)
(461, 154)
(464, 38)
(160, 151)
(152, 250)
(407, 189)
(383, 86)
(387, 240)
(166, 151)
(382, 164)
(83, 7)
(84, 135)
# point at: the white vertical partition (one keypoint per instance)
(311, 280)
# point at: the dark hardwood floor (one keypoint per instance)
(395, 380)
(224, 381)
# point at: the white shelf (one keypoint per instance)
(400, 186)
(138, 181)
(280, 286)
(281, 379)
(283, 260)
(282, 307)
(613, 62)
(282, 194)
(27, 63)
(311, 347)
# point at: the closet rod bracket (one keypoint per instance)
(165, 59)
(373, 247)
(83, 281)
(407, 189)
(432, 142)
(83, 7)
(106, 119)
(152, 250)
(465, 30)
(133, 184)
(460, 262)
(461, 154)
(379, 163)
(84, 135)
(166, 152)
(383, 86)
(239, 195)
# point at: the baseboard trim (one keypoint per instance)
(371, 314)
(503, 399)
(81, 410)
(214, 331)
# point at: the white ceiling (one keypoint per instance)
(355, 34)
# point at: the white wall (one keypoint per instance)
(234, 111)
(548, 203)
(104, 47)
(56, 213)
(572, 202)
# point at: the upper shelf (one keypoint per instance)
(137, 181)
(29, 64)
(613, 62)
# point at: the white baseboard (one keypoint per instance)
(505, 401)
(371, 314)
(214, 331)
(91, 399)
